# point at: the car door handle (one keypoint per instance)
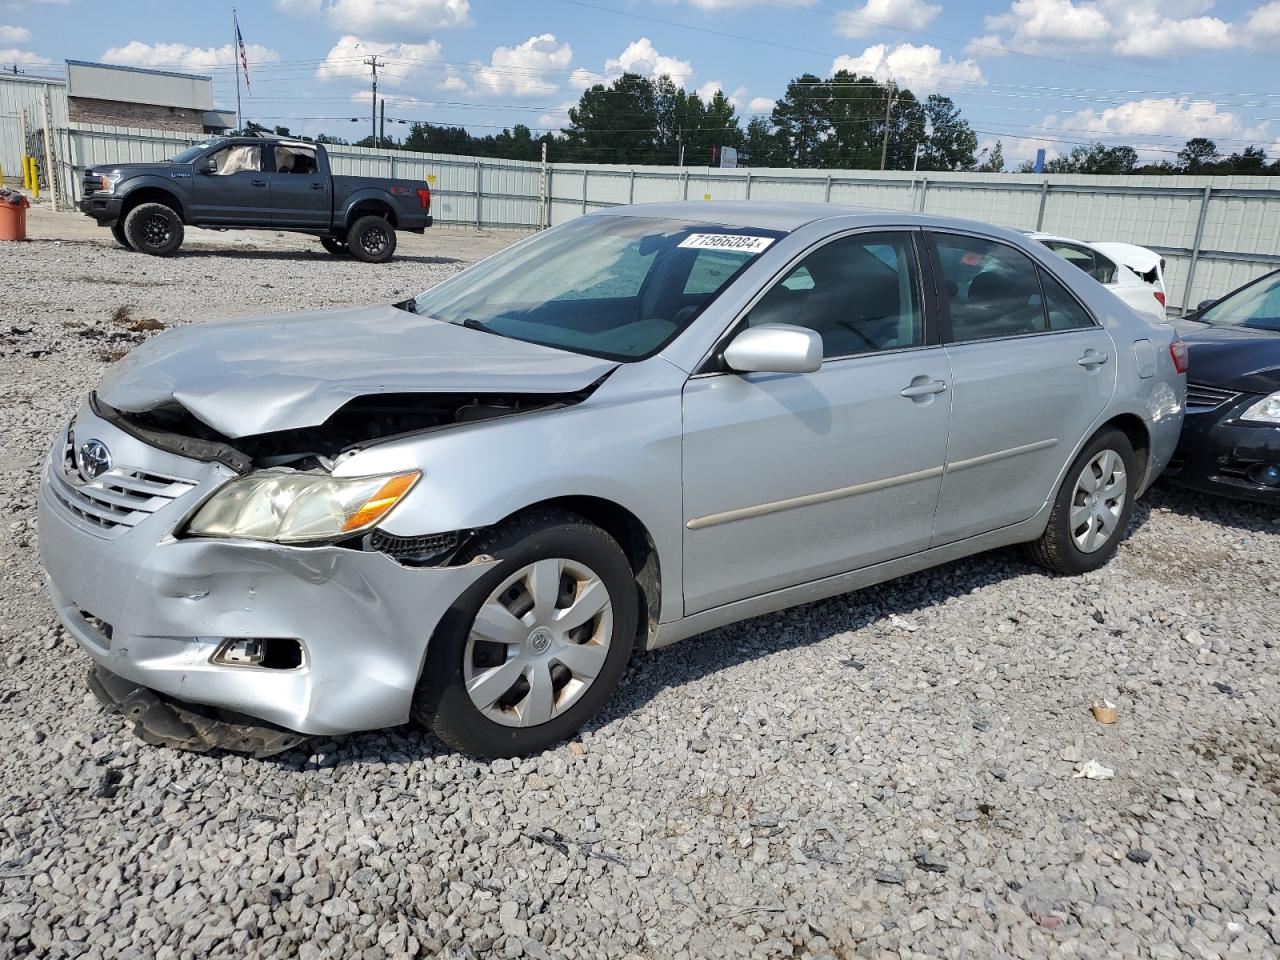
(317, 186)
(1092, 358)
(927, 388)
(259, 183)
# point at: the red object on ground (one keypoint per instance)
(13, 216)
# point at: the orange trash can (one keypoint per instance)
(13, 215)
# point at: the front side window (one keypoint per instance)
(1256, 307)
(860, 293)
(991, 289)
(611, 286)
(295, 160)
(238, 158)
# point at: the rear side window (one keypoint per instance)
(1065, 312)
(1090, 261)
(299, 160)
(860, 293)
(991, 289)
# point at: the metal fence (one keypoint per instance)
(1215, 232)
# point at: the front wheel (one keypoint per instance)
(372, 239)
(154, 228)
(117, 231)
(535, 647)
(1091, 508)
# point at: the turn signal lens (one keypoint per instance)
(375, 507)
(1178, 350)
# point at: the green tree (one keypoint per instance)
(852, 113)
(1199, 155)
(1250, 160)
(615, 124)
(1095, 158)
(801, 120)
(992, 160)
(762, 144)
(950, 143)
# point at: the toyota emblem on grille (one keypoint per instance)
(93, 459)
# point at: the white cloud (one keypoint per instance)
(1129, 28)
(642, 57)
(390, 20)
(922, 68)
(404, 61)
(180, 56)
(23, 58)
(582, 78)
(14, 34)
(558, 117)
(1178, 118)
(721, 6)
(524, 70)
(1263, 26)
(761, 105)
(878, 14)
(707, 92)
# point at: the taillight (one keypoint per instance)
(1178, 350)
(424, 198)
(1160, 297)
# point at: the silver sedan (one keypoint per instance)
(471, 507)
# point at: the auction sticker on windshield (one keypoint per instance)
(726, 241)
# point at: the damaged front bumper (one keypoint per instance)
(154, 610)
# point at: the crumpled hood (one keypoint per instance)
(1233, 358)
(264, 374)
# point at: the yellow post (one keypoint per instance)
(26, 173)
(35, 179)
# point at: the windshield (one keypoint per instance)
(1256, 307)
(189, 154)
(618, 287)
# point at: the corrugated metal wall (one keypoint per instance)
(1218, 238)
(22, 92)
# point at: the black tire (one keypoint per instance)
(117, 231)
(335, 246)
(154, 228)
(442, 701)
(372, 239)
(1057, 549)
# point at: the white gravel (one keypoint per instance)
(886, 774)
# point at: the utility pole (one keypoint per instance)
(235, 62)
(382, 121)
(373, 62)
(891, 89)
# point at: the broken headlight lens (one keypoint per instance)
(299, 507)
(1266, 410)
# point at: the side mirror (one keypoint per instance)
(775, 348)
(1205, 305)
(208, 165)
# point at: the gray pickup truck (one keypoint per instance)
(254, 183)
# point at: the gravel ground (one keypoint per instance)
(886, 774)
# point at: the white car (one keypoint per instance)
(1134, 274)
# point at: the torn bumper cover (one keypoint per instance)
(155, 609)
(166, 722)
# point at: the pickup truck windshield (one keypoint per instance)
(189, 154)
(618, 287)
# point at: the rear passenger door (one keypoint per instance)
(299, 192)
(1031, 372)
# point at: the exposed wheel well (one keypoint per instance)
(371, 208)
(151, 195)
(625, 527)
(1133, 427)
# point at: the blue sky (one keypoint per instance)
(1029, 72)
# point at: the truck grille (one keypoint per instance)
(90, 183)
(1206, 397)
(115, 501)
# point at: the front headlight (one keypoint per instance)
(1266, 410)
(299, 507)
(109, 182)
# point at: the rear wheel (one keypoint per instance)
(117, 231)
(154, 228)
(335, 246)
(372, 239)
(1092, 507)
(536, 646)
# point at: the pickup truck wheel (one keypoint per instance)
(335, 246)
(372, 239)
(154, 228)
(117, 231)
(535, 647)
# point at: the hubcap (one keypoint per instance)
(1098, 501)
(155, 230)
(373, 240)
(538, 642)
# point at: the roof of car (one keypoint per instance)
(765, 214)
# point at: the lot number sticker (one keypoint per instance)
(726, 241)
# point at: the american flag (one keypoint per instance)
(244, 58)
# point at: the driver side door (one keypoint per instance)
(791, 477)
(236, 190)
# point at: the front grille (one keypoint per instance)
(1206, 397)
(114, 501)
(91, 183)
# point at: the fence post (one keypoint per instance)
(924, 193)
(748, 185)
(827, 196)
(1044, 196)
(585, 173)
(477, 193)
(542, 189)
(685, 176)
(393, 166)
(631, 187)
(547, 195)
(1195, 249)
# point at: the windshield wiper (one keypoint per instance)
(472, 324)
(409, 306)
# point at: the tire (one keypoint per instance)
(335, 246)
(588, 560)
(372, 239)
(1086, 526)
(154, 228)
(117, 231)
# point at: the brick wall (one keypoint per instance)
(121, 114)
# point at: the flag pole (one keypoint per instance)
(235, 64)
